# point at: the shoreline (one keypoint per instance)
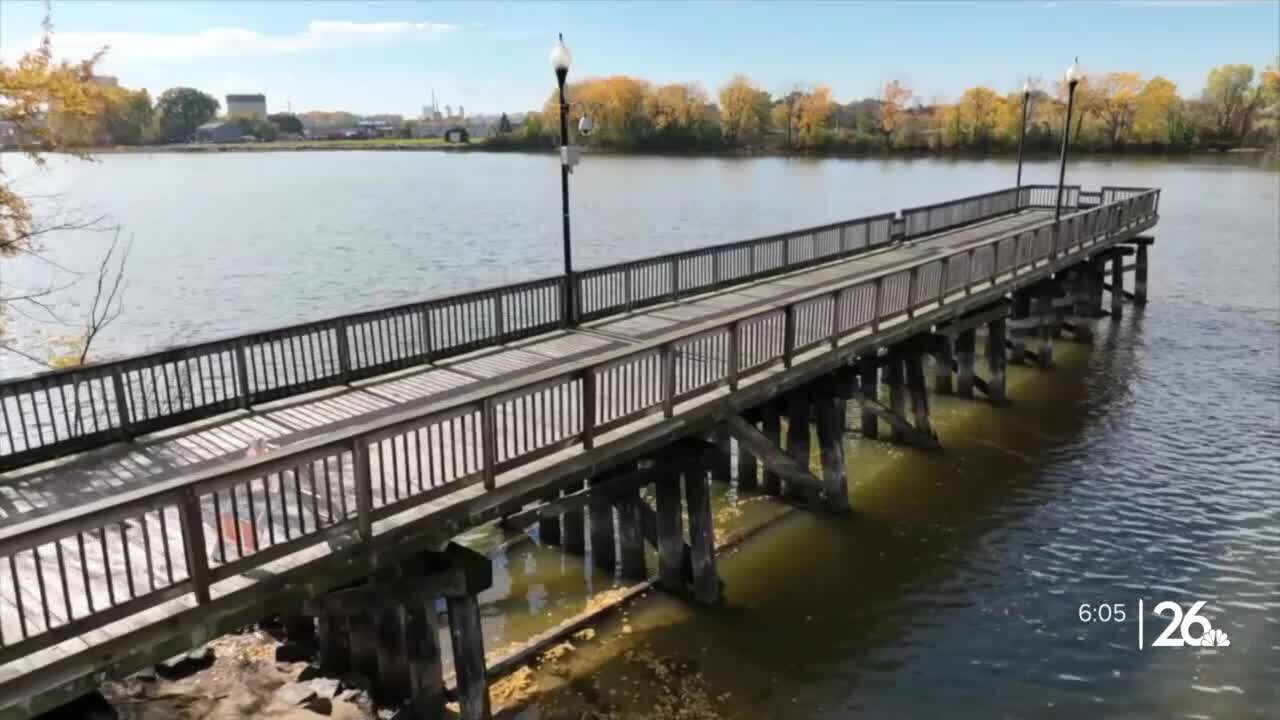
(435, 145)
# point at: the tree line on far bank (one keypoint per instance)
(1113, 111)
(122, 116)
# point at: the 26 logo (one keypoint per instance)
(1192, 628)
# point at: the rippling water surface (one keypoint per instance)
(1146, 466)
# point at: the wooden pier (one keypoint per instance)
(319, 471)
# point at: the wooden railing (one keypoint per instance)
(80, 569)
(65, 411)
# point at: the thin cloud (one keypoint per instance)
(228, 42)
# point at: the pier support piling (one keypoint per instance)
(1140, 271)
(1117, 287)
(630, 537)
(966, 348)
(868, 374)
(771, 428)
(832, 408)
(573, 540)
(706, 581)
(670, 533)
(942, 365)
(600, 510)
(913, 367)
(799, 411)
(997, 359)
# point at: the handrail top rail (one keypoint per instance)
(287, 457)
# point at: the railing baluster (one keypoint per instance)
(732, 352)
(244, 395)
(788, 334)
(667, 353)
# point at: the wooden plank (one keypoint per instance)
(781, 464)
(381, 595)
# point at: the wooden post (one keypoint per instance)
(706, 582)
(393, 667)
(333, 642)
(942, 365)
(670, 533)
(574, 538)
(630, 537)
(722, 464)
(913, 365)
(897, 395)
(832, 407)
(748, 470)
(868, 374)
(799, 410)
(771, 427)
(1117, 287)
(603, 551)
(422, 649)
(364, 646)
(997, 359)
(468, 657)
(966, 345)
(1140, 276)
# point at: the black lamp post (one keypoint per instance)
(560, 59)
(1073, 77)
(1022, 134)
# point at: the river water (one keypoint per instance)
(1144, 467)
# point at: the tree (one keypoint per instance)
(184, 109)
(895, 97)
(1117, 98)
(1229, 93)
(286, 123)
(128, 117)
(257, 127)
(1155, 108)
(783, 114)
(813, 111)
(30, 88)
(744, 110)
(979, 109)
(504, 124)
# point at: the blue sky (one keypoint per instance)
(388, 56)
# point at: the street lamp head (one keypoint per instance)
(560, 57)
(1073, 72)
(1026, 86)
(585, 125)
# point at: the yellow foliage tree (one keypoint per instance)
(1155, 104)
(1117, 103)
(812, 114)
(980, 108)
(744, 109)
(893, 109)
(31, 89)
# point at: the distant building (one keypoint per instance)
(247, 106)
(438, 128)
(222, 131)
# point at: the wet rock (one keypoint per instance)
(303, 695)
(292, 652)
(180, 666)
